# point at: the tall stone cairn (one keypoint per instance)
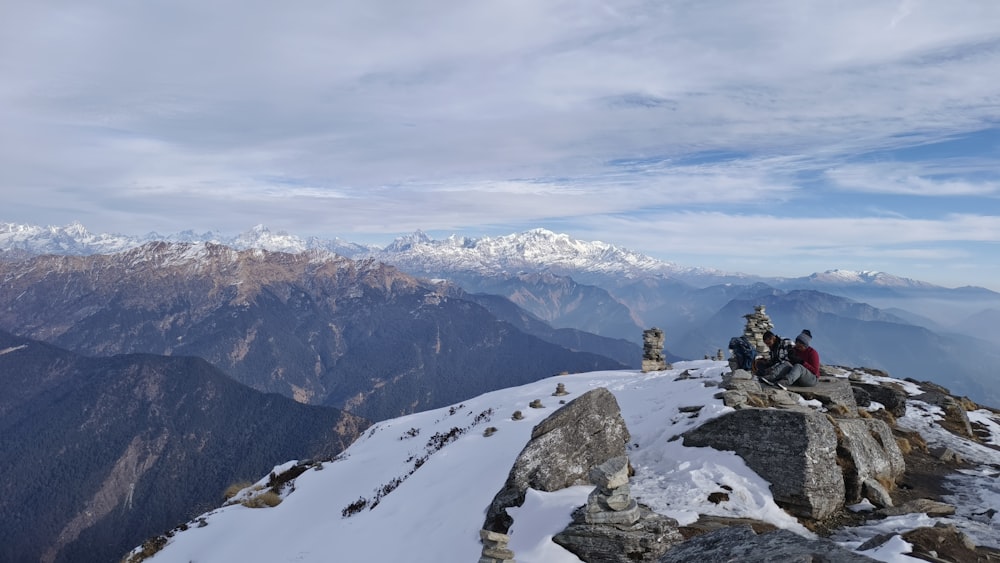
(757, 324)
(652, 351)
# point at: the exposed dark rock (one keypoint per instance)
(941, 542)
(796, 451)
(584, 433)
(891, 397)
(717, 497)
(921, 505)
(956, 420)
(707, 523)
(861, 397)
(741, 543)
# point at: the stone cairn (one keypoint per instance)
(652, 351)
(495, 548)
(611, 501)
(757, 324)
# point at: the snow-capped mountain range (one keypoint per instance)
(866, 277)
(533, 250)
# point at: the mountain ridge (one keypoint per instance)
(100, 452)
(615, 293)
(560, 252)
(314, 326)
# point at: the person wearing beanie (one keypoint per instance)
(802, 366)
(805, 337)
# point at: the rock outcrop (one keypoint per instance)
(815, 461)
(741, 543)
(941, 542)
(582, 434)
(872, 460)
(795, 450)
(892, 398)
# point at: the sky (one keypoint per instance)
(435, 513)
(776, 138)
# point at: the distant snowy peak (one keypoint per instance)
(75, 240)
(865, 277)
(402, 244)
(262, 237)
(72, 239)
(537, 249)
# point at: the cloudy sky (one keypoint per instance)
(769, 137)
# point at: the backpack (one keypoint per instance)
(743, 352)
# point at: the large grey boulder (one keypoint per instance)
(796, 451)
(584, 433)
(872, 459)
(834, 393)
(741, 543)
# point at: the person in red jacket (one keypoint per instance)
(802, 366)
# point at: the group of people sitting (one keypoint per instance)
(789, 363)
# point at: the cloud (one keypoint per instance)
(906, 179)
(381, 117)
(951, 251)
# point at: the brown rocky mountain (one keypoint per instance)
(322, 329)
(99, 453)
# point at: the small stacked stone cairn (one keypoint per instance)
(495, 548)
(611, 501)
(757, 324)
(652, 351)
(612, 527)
(560, 390)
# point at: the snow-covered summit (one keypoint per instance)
(533, 250)
(865, 277)
(390, 497)
(72, 239)
(262, 237)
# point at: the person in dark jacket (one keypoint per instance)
(778, 350)
(802, 366)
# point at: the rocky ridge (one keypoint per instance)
(822, 453)
(313, 326)
(533, 250)
(99, 453)
(854, 475)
